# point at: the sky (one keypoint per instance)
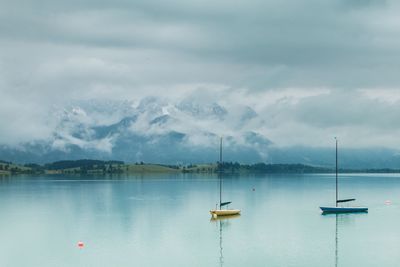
(312, 69)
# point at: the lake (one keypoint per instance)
(164, 220)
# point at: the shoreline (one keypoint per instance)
(104, 168)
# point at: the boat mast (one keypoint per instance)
(219, 173)
(336, 171)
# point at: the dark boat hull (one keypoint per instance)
(343, 209)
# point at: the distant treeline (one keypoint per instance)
(293, 168)
(66, 166)
(89, 166)
(82, 163)
(271, 168)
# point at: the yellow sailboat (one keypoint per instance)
(219, 211)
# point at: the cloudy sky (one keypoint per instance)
(312, 69)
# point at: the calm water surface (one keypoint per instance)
(163, 220)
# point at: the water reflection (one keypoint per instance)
(125, 221)
(341, 220)
(222, 221)
(336, 241)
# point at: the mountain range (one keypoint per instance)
(187, 131)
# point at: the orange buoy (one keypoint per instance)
(81, 244)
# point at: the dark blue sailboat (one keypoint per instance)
(340, 209)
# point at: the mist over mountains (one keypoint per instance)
(134, 81)
(155, 129)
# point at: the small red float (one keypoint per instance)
(81, 244)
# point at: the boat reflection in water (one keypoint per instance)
(336, 241)
(222, 222)
(341, 220)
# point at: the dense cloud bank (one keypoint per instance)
(290, 117)
(295, 73)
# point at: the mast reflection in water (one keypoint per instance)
(222, 222)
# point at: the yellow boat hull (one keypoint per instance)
(216, 213)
